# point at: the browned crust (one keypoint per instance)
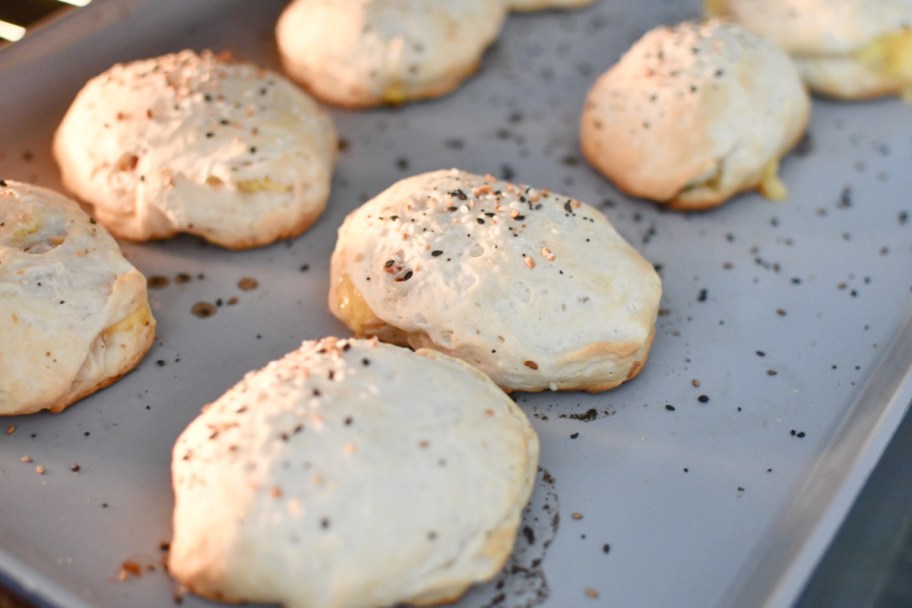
(356, 101)
(146, 339)
(295, 229)
(419, 339)
(677, 203)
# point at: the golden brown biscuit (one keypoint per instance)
(534, 288)
(368, 52)
(351, 474)
(850, 49)
(74, 315)
(197, 143)
(693, 114)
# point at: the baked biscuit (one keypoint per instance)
(848, 49)
(695, 113)
(351, 474)
(364, 53)
(74, 316)
(535, 289)
(197, 143)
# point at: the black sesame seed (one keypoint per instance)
(436, 253)
(669, 407)
(703, 398)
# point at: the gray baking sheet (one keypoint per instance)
(779, 372)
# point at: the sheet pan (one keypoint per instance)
(784, 344)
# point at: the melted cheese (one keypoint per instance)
(715, 8)
(262, 185)
(395, 94)
(770, 185)
(352, 307)
(890, 55)
(140, 317)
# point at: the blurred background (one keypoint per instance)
(17, 16)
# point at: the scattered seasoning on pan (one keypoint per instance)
(591, 592)
(304, 267)
(248, 284)
(760, 353)
(158, 282)
(232, 301)
(701, 297)
(27, 459)
(686, 469)
(160, 363)
(40, 469)
(781, 312)
(436, 253)
(805, 145)
(574, 435)
(587, 416)
(798, 434)
(703, 398)
(324, 523)
(606, 548)
(576, 515)
(669, 407)
(771, 372)
(203, 310)
(129, 568)
(740, 491)
(845, 198)
(182, 277)
(10, 429)
(75, 467)
(695, 383)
